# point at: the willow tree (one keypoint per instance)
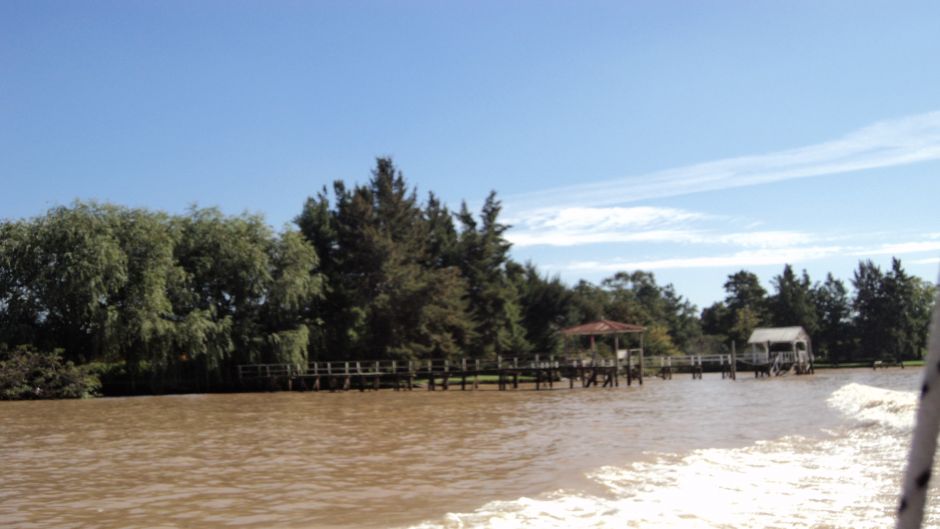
(227, 267)
(66, 267)
(295, 287)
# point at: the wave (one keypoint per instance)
(876, 406)
(845, 478)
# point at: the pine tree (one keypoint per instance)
(493, 299)
(792, 304)
(833, 339)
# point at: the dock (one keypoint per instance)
(438, 374)
(534, 372)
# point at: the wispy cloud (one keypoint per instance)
(760, 257)
(902, 248)
(558, 217)
(882, 144)
(770, 255)
(579, 225)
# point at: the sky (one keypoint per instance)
(691, 139)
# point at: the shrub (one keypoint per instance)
(26, 373)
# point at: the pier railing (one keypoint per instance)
(404, 367)
(541, 368)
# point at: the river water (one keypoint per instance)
(815, 451)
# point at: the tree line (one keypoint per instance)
(371, 272)
(887, 317)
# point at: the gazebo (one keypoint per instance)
(608, 327)
(788, 345)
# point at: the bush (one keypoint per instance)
(26, 373)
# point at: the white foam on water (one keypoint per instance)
(884, 407)
(844, 478)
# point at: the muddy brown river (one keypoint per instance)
(815, 451)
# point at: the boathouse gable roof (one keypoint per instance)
(778, 335)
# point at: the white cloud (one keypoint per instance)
(558, 217)
(901, 248)
(769, 256)
(605, 218)
(764, 239)
(887, 143)
(581, 225)
(764, 255)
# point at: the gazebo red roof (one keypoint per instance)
(603, 327)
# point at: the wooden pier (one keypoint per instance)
(509, 373)
(436, 375)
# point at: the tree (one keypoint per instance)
(546, 307)
(747, 304)
(288, 313)
(493, 299)
(892, 312)
(227, 270)
(71, 264)
(909, 302)
(792, 304)
(833, 338)
(636, 298)
(393, 292)
(871, 310)
(716, 320)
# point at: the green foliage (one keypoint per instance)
(170, 302)
(659, 342)
(493, 299)
(747, 305)
(833, 309)
(892, 312)
(112, 284)
(636, 298)
(793, 303)
(546, 307)
(26, 373)
(394, 291)
(887, 317)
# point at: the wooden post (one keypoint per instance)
(446, 383)
(616, 359)
(734, 362)
(430, 376)
(640, 374)
(629, 367)
(551, 372)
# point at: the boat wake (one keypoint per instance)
(844, 477)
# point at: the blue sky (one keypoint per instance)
(689, 138)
